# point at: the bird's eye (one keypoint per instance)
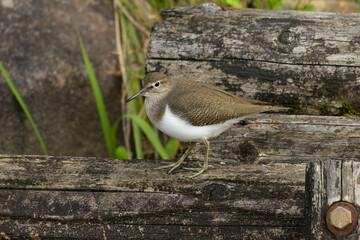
(157, 84)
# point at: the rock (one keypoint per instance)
(41, 52)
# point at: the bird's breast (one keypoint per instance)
(175, 126)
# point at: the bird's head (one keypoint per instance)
(155, 85)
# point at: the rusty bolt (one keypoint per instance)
(341, 218)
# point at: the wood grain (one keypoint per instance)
(290, 58)
(286, 136)
(255, 190)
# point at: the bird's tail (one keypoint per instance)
(277, 109)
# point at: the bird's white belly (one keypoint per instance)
(180, 129)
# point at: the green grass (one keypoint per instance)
(108, 135)
(283, 4)
(24, 107)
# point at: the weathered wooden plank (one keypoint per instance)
(59, 173)
(147, 208)
(356, 169)
(296, 86)
(255, 188)
(103, 230)
(333, 181)
(315, 199)
(347, 182)
(291, 37)
(296, 59)
(292, 136)
(125, 198)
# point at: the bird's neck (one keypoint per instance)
(155, 107)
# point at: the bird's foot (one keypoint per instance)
(198, 173)
(173, 166)
(197, 169)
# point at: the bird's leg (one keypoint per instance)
(206, 165)
(173, 166)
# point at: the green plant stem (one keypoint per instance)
(23, 106)
(110, 141)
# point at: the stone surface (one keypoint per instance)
(40, 50)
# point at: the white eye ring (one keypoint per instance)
(157, 84)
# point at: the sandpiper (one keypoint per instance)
(194, 111)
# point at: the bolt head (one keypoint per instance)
(340, 217)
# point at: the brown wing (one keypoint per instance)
(203, 104)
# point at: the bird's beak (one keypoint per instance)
(138, 94)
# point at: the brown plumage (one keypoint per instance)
(209, 104)
(202, 104)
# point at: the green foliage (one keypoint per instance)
(121, 153)
(233, 3)
(309, 7)
(109, 136)
(282, 4)
(275, 4)
(303, 7)
(157, 6)
(270, 4)
(24, 107)
(172, 147)
(258, 4)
